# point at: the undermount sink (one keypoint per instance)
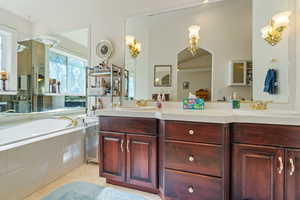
(267, 112)
(135, 108)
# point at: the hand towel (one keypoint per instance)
(271, 82)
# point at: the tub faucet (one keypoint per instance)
(74, 122)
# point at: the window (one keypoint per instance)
(69, 71)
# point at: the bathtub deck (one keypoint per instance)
(88, 173)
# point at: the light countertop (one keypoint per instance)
(280, 117)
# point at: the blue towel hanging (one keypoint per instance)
(271, 82)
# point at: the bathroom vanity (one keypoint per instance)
(184, 159)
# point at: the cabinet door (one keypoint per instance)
(112, 156)
(142, 161)
(293, 175)
(258, 173)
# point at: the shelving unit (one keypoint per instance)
(103, 82)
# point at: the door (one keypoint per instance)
(142, 160)
(258, 173)
(112, 156)
(293, 175)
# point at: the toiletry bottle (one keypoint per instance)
(158, 102)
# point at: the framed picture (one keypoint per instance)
(162, 75)
(186, 85)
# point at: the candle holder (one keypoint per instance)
(3, 78)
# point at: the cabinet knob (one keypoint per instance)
(191, 158)
(191, 132)
(191, 189)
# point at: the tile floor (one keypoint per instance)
(87, 173)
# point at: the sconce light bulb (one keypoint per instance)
(265, 31)
(282, 19)
(129, 40)
(194, 31)
(139, 46)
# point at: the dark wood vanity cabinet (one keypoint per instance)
(129, 157)
(142, 160)
(257, 173)
(112, 156)
(201, 161)
(194, 160)
(265, 162)
(293, 174)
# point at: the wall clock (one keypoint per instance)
(104, 49)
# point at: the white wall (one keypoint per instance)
(284, 52)
(139, 68)
(297, 83)
(21, 25)
(222, 33)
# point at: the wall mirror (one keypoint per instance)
(162, 75)
(229, 56)
(51, 73)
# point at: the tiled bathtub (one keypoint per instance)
(35, 153)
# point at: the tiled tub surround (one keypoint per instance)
(37, 158)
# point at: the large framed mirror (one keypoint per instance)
(51, 73)
(229, 31)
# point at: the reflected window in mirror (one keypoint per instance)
(162, 75)
(67, 71)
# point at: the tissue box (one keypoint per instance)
(194, 104)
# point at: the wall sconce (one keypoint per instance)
(272, 33)
(133, 45)
(194, 38)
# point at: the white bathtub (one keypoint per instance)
(33, 129)
(34, 153)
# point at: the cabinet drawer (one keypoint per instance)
(194, 157)
(181, 186)
(263, 134)
(131, 125)
(194, 132)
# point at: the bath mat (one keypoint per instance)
(89, 191)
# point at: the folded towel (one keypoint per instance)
(271, 82)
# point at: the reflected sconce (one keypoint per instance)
(133, 45)
(272, 33)
(194, 38)
(3, 78)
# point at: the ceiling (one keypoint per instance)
(37, 10)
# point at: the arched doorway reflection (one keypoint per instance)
(194, 74)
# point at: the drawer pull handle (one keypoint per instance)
(128, 143)
(292, 167)
(191, 132)
(122, 143)
(191, 190)
(191, 158)
(280, 170)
